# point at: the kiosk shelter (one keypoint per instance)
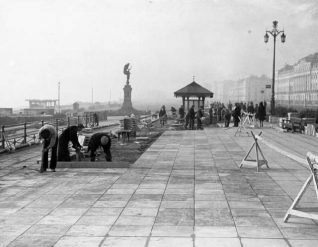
(193, 94)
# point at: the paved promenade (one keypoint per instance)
(186, 190)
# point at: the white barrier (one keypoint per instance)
(260, 158)
(311, 213)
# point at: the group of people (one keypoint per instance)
(188, 118)
(218, 111)
(59, 145)
(259, 111)
(191, 116)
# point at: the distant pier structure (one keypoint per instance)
(41, 106)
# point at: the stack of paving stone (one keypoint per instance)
(310, 129)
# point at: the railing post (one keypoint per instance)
(68, 122)
(2, 137)
(25, 133)
(57, 125)
(86, 120)
(78, 120)
(42, 122)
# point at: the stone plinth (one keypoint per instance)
(127, 105)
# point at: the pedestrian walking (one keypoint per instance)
(261, 114)
(48, 135)
(68, 135)
(100, 140)
(162, 115)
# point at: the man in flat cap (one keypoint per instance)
(100, 140)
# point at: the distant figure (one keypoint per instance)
(96, 120)
(191, 117)
(256, 111)
(127, 72)
(162, 115)
(250, 110)
(49, 136)
(211, 113)
(199, 117)
(100, 140)
(69, 134)
(173, 111)
(187, 120)
(261, 114)
(181, 113)
(227, 117)
(236, 114)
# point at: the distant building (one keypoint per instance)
(252, 88)
(76, 106)
(296, 86)
(39, 107)
(6, 112)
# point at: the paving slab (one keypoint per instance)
(186, 190)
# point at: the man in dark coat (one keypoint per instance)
(100, 140)
(69, 134)
(236, 115)
(191, 117)
(261, 114)
(49, 136)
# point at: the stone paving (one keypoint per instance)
(186, 190)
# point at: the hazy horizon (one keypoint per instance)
(85, 44)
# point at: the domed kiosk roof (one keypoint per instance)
(193, 89)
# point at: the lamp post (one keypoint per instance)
(275, 32)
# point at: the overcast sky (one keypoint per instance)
(85, 44)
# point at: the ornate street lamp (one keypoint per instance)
(275, 32)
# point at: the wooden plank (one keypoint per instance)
(254, 162)
(96, 164)
(303, 214)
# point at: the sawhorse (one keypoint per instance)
(242, 126)
(259, 162)
(305, 212)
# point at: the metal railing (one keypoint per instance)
(26, 134)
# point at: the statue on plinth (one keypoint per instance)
(127, 108)
(127, 69)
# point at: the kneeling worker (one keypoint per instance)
(97, 140)
(49, 136)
